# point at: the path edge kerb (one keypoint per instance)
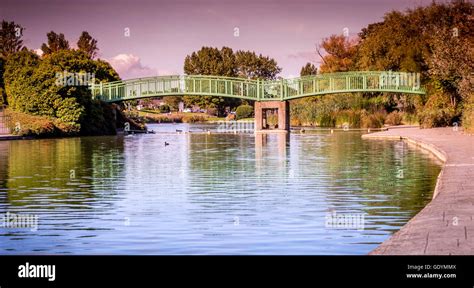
(436, 151)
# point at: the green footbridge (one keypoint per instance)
(264, 92)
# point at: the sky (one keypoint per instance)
(147, 38)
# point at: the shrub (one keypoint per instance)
(326, 120)
(194, 119)
(294, 121)
(174, 118)
(211, 111)
(394, 118)
(352, 118)
(438, 111)
(164, 108)
(244, 111)
(373, 120)
(468, 115)
(468, 119)
(23, 124)
(410, 119)
(272, 120)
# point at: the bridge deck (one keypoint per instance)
(259, 90)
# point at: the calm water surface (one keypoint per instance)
(210, 194)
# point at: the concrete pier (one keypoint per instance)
(283, 112)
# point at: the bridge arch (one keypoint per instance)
(276, 91)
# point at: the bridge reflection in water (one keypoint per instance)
(265, 149)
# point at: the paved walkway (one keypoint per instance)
(445, 226)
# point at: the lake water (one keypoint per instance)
(312, 193)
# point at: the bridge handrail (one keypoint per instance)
(256, 89)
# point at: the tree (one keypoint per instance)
(56, 42)
(435, 41)
(10, 38)
(211, 61)
(32, 87)
(3, 98)
(308, 69)
(87, 44)
(402, 41)
(340, 52)
(172, 102)
(251, 66)
(224, 62)
(19, 82)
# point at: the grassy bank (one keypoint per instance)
(24, 124)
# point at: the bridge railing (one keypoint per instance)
(364, 81)
(221, 86)
(259, 90)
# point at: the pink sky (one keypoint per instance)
(162, 33)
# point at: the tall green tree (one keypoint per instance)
(56, 42)
(211, 61)
(253, 66)
(224, 62)
(308, 69)
(10, 38)
(32, 87)
(87, 44)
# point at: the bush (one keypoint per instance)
(468, 120)
(410, 119)
(244, 111)
(272, 120)
(194, 119)
(348, 117)
(373, 120)
(23, 124)
(174, 118)
(326, 120)
(394, 118)
(438, 111)
(164, 108)
(211, 111)
(468, 115)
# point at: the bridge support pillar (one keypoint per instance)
(266, 111)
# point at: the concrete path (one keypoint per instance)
(445, 226)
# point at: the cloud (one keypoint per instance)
(129, 66)
(38, 52)
(306, 55)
